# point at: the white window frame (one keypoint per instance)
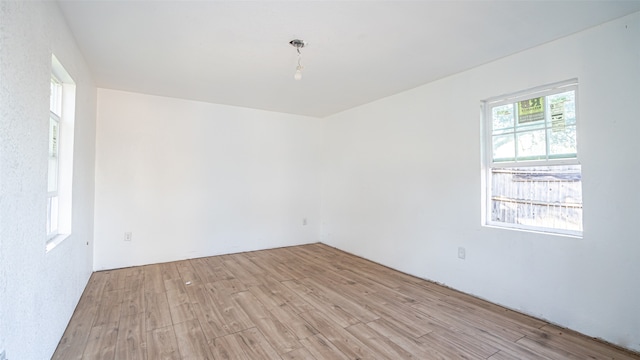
(65, 116)
(55, 116)
(489, 163)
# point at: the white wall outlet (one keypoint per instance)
(127, 236)
(304, 221)
(462, 253)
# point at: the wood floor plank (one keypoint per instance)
(460, 343)
(402, 315)
(298, 354)
(153, 279)
(405, 340)
(355, 284)
(300, 328)
(246, 263)
(162, 344)
(228, 348)
(549, 351)
(463, 321)
(209, 273)
(378, 342)
(210, 317)
(342, 339)
(254, 344)
(321, 348)
(234, 316)
(181, 313)
(306, 263)
(356, 309)
(132, 338)
(302, 302)
(157, 312)
(109, 310)
(240, 273)
(271, 265)
(275, 293)
(133, 297)
(116, 280)
(335, 313)
(507, 347)
(277, 334)
(579, 344)
(191, 341)
(495, 313)
(187, 273)
(96, 285)
(169, 271)
(102, 342)
(502, 356)
(171, 277)
(230, 285)
(177, 296)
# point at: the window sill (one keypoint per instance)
(556, 232)
(57, 240)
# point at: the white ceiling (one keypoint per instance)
(238, 52)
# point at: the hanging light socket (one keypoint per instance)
(298, 44)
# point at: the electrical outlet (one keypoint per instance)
(304, 221)
(462, 253)
(128, 236)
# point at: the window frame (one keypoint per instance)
(64, 113)
(487, 148)
(55, 116)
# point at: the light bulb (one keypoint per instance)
(298, 74)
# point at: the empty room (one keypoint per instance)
(319, 179)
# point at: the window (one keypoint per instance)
(60, 154)
(55, 113)
(534, 179)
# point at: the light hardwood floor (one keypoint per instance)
(303, 302)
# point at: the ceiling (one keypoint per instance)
(238, 52)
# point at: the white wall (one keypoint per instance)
(403, 186)
(192, 179)
(38, 290)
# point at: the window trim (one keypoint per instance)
(65, 143)
(489, 163)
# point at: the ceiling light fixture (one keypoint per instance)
(298, 44)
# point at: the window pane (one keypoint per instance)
(504, 147)
(502, 116)
(562, 144)
(52, 184)
(531, 110)
(532, 145)
(563, 108)
(54, 132)
(530, 126)
(52, 215)
(541, 197)
(55, 98)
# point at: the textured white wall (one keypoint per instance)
(38, 291)
(403, 186)
(192, 179)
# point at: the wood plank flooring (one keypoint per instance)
(303, 302)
